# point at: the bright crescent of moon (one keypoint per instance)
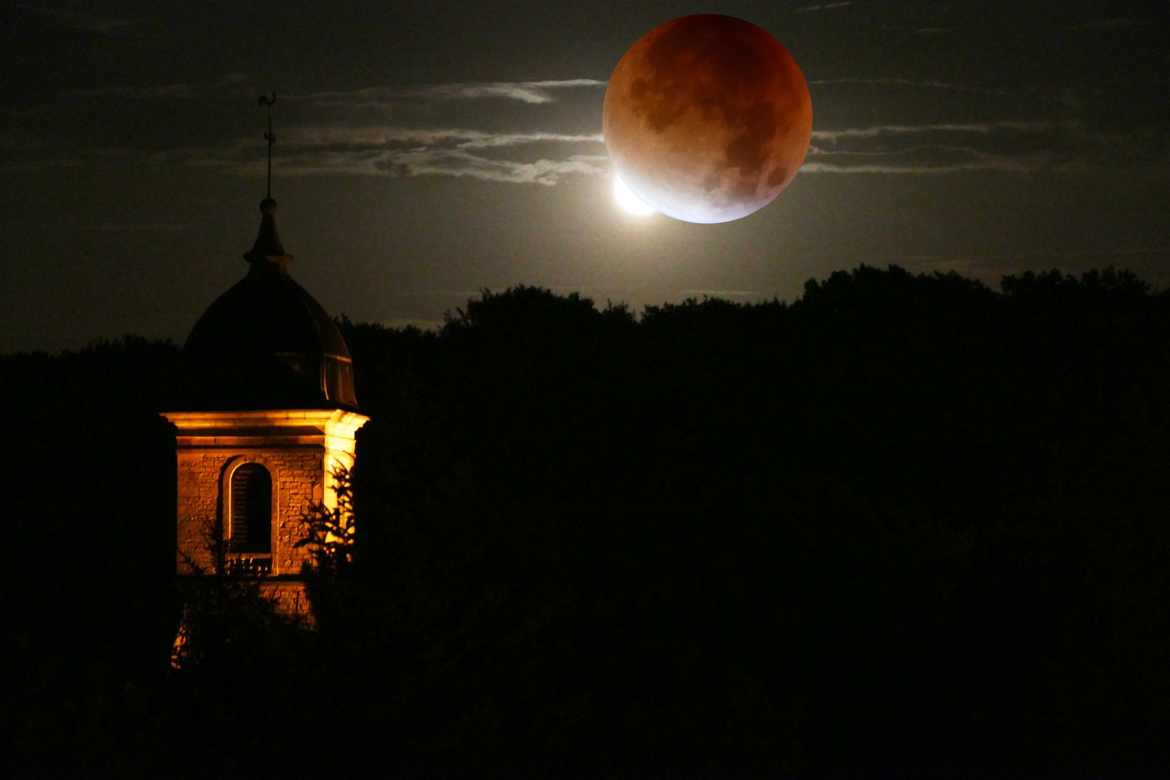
(629, 202)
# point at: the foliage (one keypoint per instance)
(331, 530)
(722, 535)
(227, 619)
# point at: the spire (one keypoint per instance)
(268, 247)
(270, 137)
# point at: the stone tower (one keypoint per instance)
(272, 415)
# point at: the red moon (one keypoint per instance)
(707, 118)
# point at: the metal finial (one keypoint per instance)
(270, 137)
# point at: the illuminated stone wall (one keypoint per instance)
(299, 448)
(297, 482)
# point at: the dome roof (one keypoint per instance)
(266, 342)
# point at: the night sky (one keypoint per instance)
(427, 150)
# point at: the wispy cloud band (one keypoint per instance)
(904, 83)
(531, 92)
(811, 9)
(457, 152)
(1008, 146)
(398, 152)
(463, 138)
(977, 128)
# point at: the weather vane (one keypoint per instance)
(270, 137)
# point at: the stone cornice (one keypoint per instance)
(263, 427)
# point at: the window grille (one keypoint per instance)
(251, 510)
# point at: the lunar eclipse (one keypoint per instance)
(707, 118)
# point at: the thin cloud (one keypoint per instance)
(1002, 164)
(462, 138)
(1067, 147)
(546, 157)
(979, 128)
(400, 152)
(531, 92)
(1004, 146)
(1013, 146)
(517, 139)
(438, 162)
(525, 91)
(911, 84)
(808, 9)
(408, 152)
(934, 150)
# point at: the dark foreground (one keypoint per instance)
(906, 526)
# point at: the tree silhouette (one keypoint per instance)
(725, 535)
(331, 530)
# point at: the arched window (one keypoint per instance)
(250, 530)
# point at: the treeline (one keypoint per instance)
(905, 522)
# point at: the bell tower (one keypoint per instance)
(272, 416)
